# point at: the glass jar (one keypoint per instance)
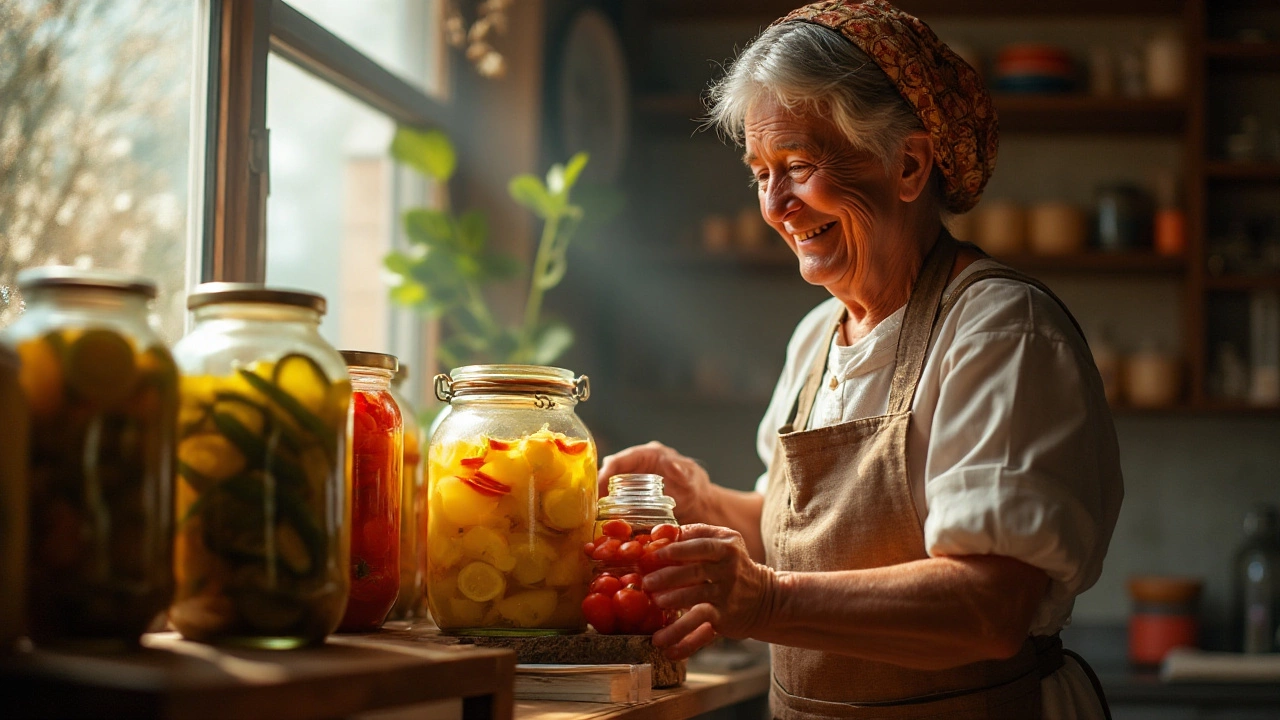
(413, 531)
(377, 441)
(512, 484)
(101, 394)
(13, 501)
(262, 541)
(635, 520)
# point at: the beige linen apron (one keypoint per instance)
(839, 498)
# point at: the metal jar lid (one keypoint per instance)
(214, 293)
(534, 380)
(53, 276)
(378, 361)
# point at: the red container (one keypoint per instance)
(1164, 617)
(376, 470)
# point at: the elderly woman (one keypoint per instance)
(943, 476)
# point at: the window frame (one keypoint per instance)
(242, 33)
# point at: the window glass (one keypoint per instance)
(95, 104)
(391, 32)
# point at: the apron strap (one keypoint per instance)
(918, 322)
(986, 269)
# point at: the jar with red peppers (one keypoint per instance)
(634, 521)
(377, 433)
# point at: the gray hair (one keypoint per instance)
(809, 67)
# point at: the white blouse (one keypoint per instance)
(1011, 449)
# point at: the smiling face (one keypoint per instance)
(835, 205)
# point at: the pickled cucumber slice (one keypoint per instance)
(296, 410)
(208, 458)
(292, 550)
(101, 367)
(481, 582)
(303, 379)
(257, 452)
(250, 415)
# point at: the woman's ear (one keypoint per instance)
(917, 166)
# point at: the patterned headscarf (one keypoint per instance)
(946, 93)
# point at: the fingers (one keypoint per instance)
(685, 624)
(637, 458)
(676, 576)
(687, 597)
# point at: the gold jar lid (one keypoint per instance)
(215, 293)
(511, 380)
(52, 276)
(376, 360)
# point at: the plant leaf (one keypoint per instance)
(573, 169)
(399, 263)
(531, 193)
(428, 227)
(473, 231)
(555, 180)
(408, 294)
(429, 152)
(553, 339)
(499, 266)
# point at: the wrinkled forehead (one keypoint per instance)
(770, 127)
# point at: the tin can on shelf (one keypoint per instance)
(512, 494)
(100, 389)
(262, 544)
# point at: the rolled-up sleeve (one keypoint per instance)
(1022, 460)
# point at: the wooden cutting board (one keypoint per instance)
(589, 648)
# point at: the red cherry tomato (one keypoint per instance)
(631, 606)
(631, 579)
(630, 551)
(607, 551)
(666, 530)
(650, 562)
(654, 621)
(589, 548)
(620, 529)
(598, 610)
(600, 539)
(606, 584)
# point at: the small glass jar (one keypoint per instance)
(512, 488)
(377, 441)
(261, 548)
(101, 394)
(635, 520)
(13, 502)
(413, 497)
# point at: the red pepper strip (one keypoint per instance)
(480, 488)
(492, 483)
(473, 462)
(499, 445)
(571, 448)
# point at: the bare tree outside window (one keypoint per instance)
(95, 101)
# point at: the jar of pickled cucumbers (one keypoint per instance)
(377, 441)
(512, 492)
(101, 395)
(13, 501)
(635, 521)
(261, 543)
(412, 501)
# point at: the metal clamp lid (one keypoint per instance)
(511, 380)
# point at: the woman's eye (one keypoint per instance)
(760, 179)
(798, 169)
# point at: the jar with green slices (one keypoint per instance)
(261, 546)
(13, 501)
(100, 391)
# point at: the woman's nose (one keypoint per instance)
(778, 203)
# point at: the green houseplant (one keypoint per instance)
(449, 261)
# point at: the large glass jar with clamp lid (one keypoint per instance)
(512, 494)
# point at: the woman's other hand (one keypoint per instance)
(683, 478)
(718, 584)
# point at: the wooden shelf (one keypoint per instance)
(1243, 283)
(1228, 171)
(1067, 113)
(769, 10)
(1239, 56)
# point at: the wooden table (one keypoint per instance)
(702, 692)
(172, 678)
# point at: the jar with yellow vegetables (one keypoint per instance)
(512, 493)
(409, 603)
(13, 501)
(101, 395)
(262, 539)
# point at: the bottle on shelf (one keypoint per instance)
(1256, 607)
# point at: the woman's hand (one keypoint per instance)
(723, 589)
(683, 478)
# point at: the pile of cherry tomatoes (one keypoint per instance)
(617, 604)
